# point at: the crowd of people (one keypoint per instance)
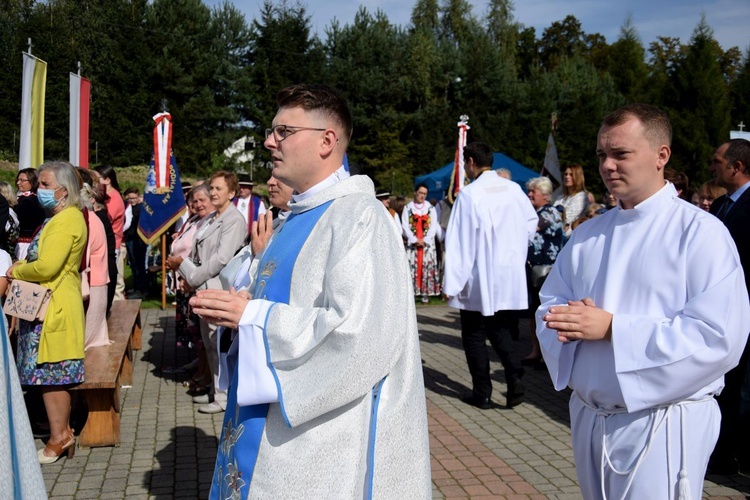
(641, 305)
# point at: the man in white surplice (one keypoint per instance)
(644, 311)
(490, 227)
(326, 371)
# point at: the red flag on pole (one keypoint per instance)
(162, 151)
(80, 104)
(458, 176)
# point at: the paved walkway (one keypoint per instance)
(168, 449)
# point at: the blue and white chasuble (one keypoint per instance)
(243, 425)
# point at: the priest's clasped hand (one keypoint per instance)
(221, 307)
(579, 320)
(261, 231)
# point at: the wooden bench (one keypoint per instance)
(107, 368)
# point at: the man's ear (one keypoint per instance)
(664, 154)
(329, 142)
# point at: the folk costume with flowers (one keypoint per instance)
(419, 220)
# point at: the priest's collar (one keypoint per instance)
(332, 179)
(350, 185)
(655, 202)
(284, 214)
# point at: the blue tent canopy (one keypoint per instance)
(437, 181)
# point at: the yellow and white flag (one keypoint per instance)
(31, 153)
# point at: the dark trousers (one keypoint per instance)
(733, 436)
(137, 261)
(475, 331)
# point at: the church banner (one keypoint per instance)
(162, 205)
(31, 150)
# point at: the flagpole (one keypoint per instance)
(163, 271)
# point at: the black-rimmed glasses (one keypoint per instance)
(281, 132)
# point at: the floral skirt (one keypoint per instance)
(65, 372)
(429, 284)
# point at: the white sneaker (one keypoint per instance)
(202, 400)
(211, 408)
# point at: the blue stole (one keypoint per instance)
(243, 425)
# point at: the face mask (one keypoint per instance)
(46, 198)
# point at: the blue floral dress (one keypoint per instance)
(68, 371)
(549, 237)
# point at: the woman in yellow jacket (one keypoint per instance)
(50, 353)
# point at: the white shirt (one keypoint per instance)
(243, 205)
(128, 216)
(487, 241)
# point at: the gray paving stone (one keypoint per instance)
(168, 450)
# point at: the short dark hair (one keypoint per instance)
(679, 179)
(318, 98)
(131, 190)
(480, 152)
(738, 150)
(421, 185)
(656, 124)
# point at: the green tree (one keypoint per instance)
(283, 51)
(626, 63)
(367, 63)
(424, 15)
(700, 105)
(502, 28)
(561, 39)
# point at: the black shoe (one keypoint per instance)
(478, 401)
(516, 393)
(136, 295)
(531, 361)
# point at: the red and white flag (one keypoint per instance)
(162, 151)
(80, 104)
(458, 176)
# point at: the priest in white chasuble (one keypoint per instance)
(326, 395)
(644, 312)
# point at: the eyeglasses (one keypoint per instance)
(132, 199)
(281, 132)
(21, 180)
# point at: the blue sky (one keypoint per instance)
(676, 18)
